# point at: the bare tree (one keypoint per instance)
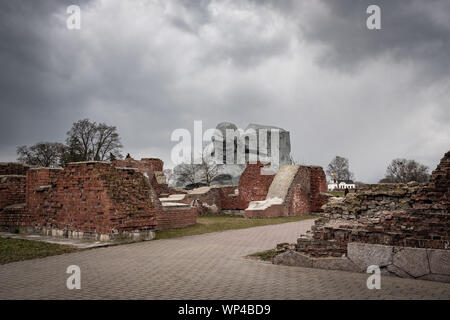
(168, 173)
(106, 141)
(339, 169)
(208, 170)
(187, 173)
(91, 141)
(403, 171)
(43, 154)
(204, 172)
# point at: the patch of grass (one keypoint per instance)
(267, 255)
(214, 223)
(17, 250)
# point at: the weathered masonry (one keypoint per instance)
(129, 199)
(402, 228)
(94, 200)
(293, 190)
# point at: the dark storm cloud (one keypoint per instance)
(413, 31)
(34, 100)
(198, 9)
(312, 67)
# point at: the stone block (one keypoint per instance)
(365, 254)
(439, 261)
(413, 261)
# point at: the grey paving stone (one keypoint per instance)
(343, 264)
(209, 266)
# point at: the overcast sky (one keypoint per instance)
(310, 67)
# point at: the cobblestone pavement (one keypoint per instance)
(209, 266)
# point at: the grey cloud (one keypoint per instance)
(413, 31)
(370, 96)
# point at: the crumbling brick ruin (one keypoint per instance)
(151, 168)
(406, 224)
(293, 190)
(13, 194)
(95, 200)
(130, 198)
(254, 183)
(207, 200)
(12, 188)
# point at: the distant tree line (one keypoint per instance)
(398, 171)
(86, 141)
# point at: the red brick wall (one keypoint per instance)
(230, 200)
(160, 188)
(147, 166)
(298, 199)
(38, 192)
(176, 218)
(435, 196)
(92, 197)
(318, 186)
(253, 186)
(13, 168)
(273, 211)
(303, 197)
(156, 164)
(12, 190)
(143, 166)
(15, 216)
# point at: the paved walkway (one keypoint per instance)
(209, 266)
